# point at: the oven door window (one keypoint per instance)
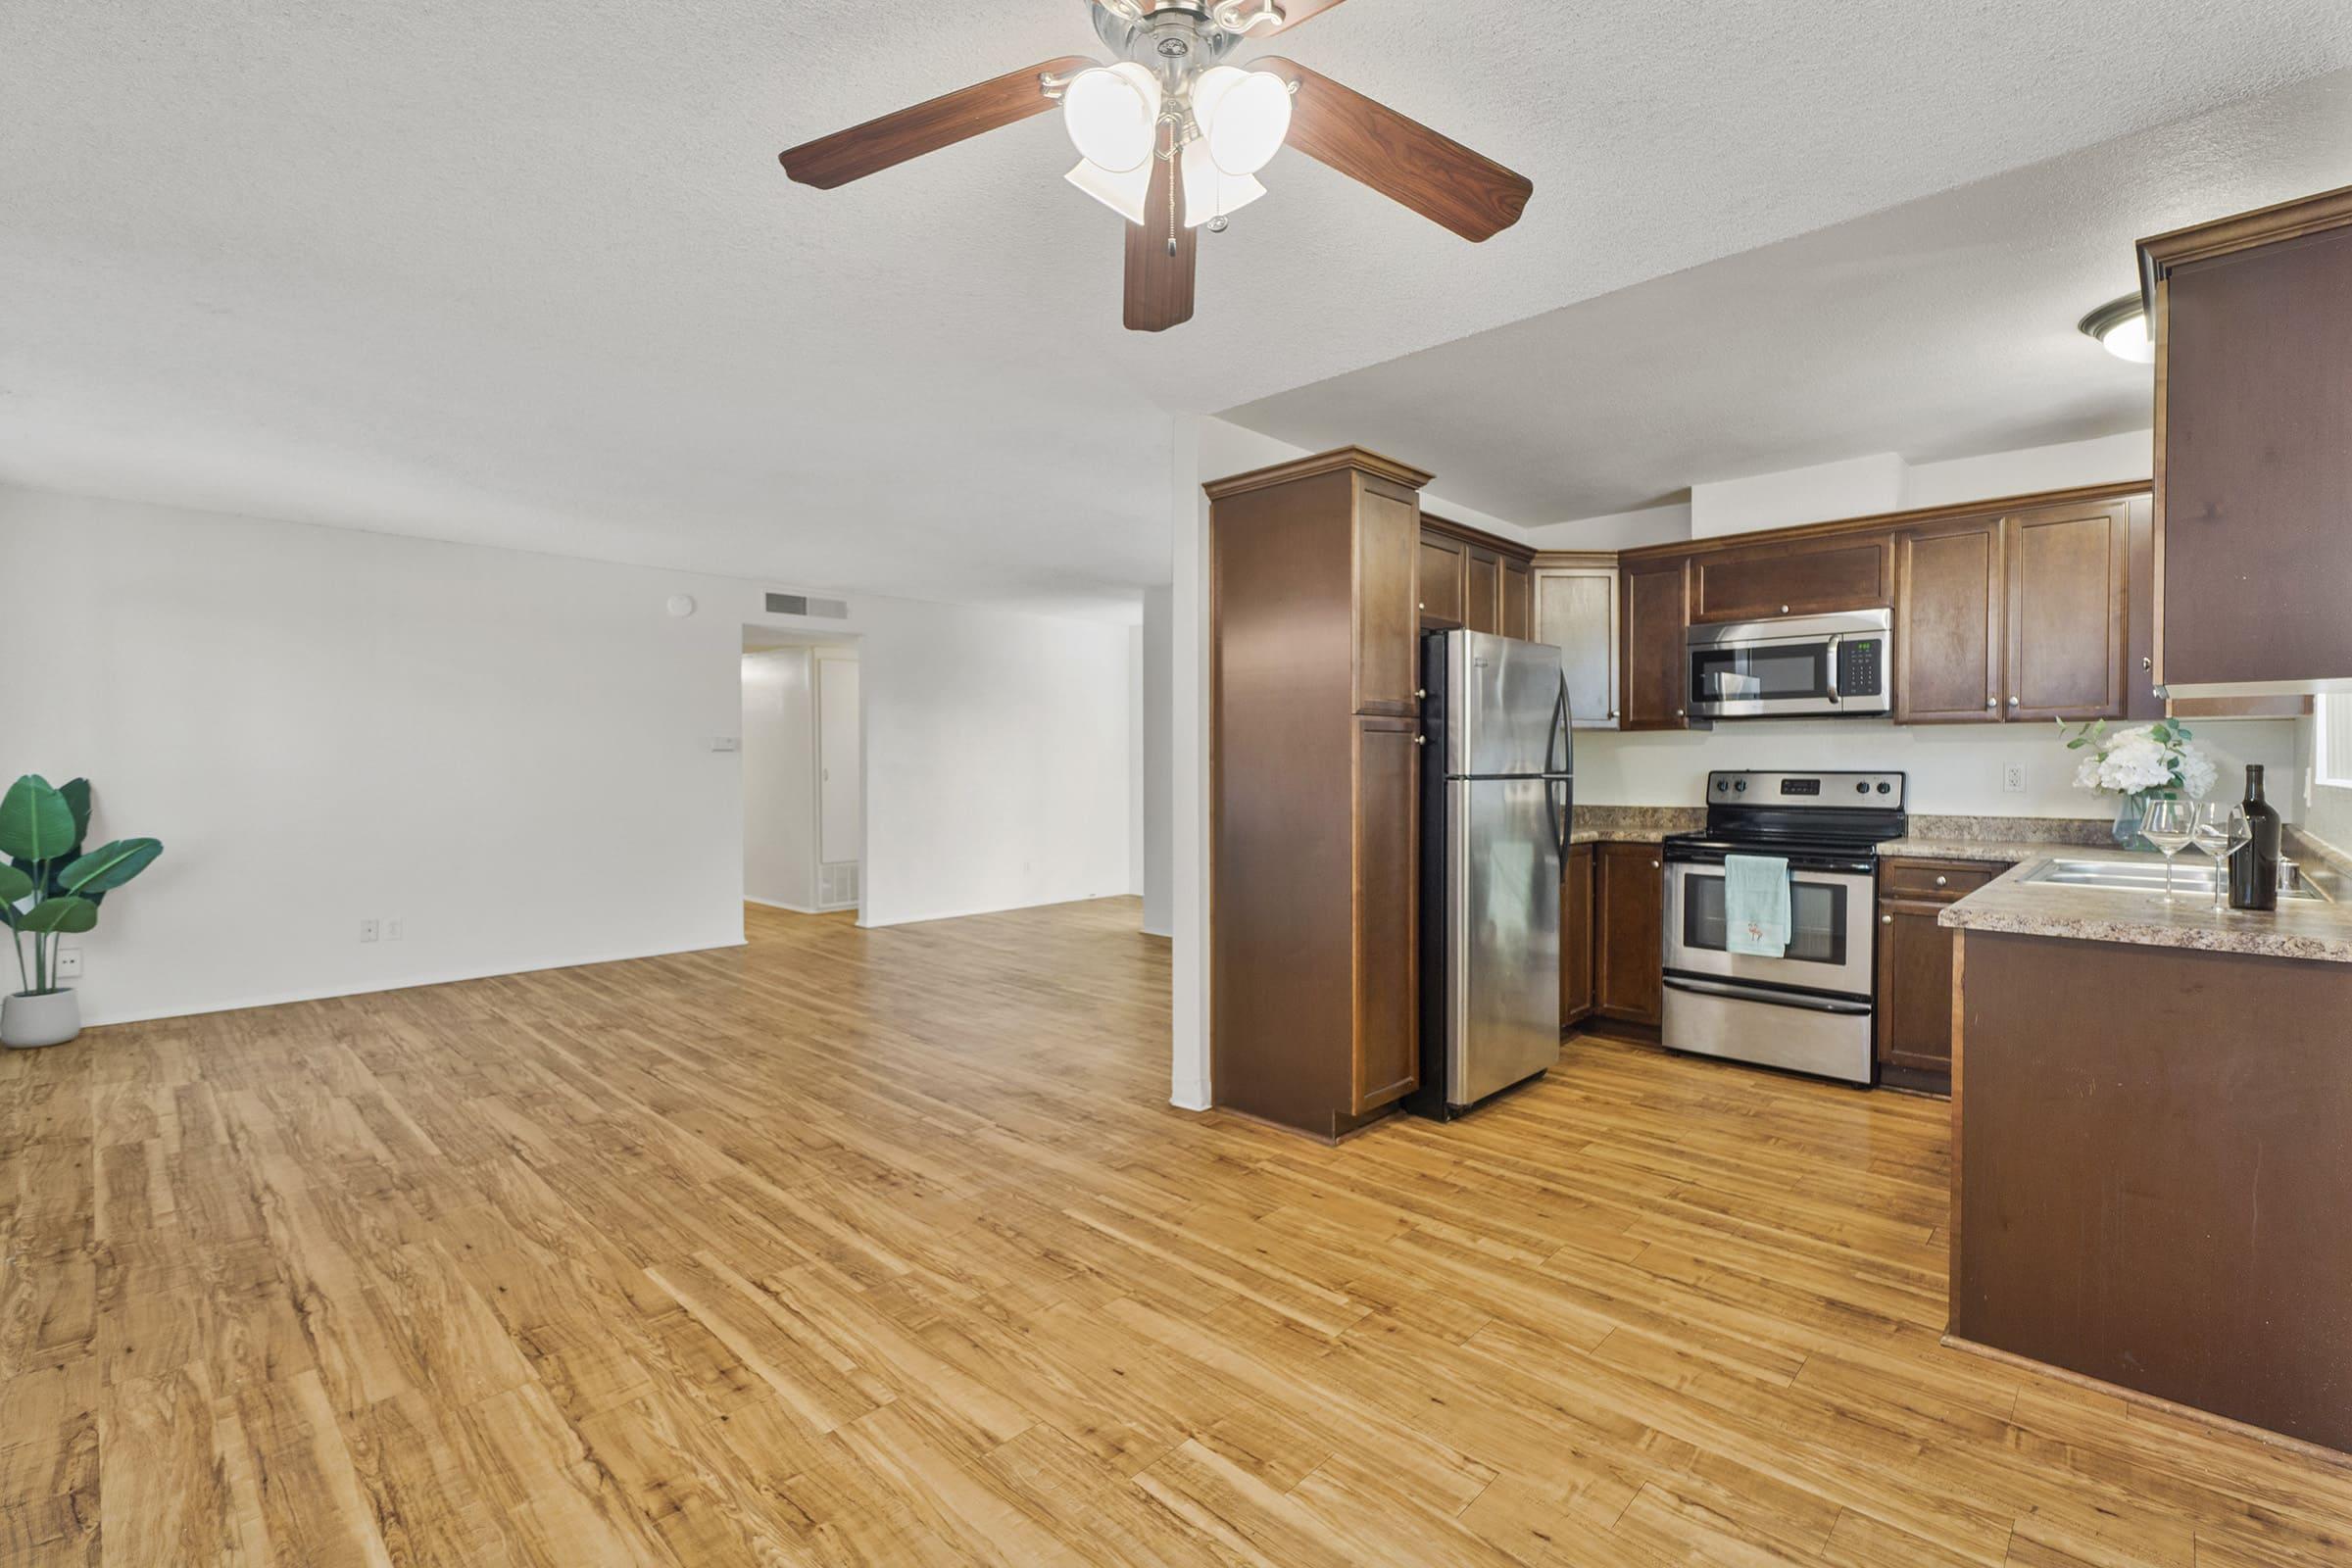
(1763, 674)
(1816, 913)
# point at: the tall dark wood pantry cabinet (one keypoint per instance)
(1315, 789)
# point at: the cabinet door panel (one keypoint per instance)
(1947, 624)
(1388, 854)
(1576, 611)
(1518, 600)
(2068, 604)
(1854, 572)
(1914, 1005)
(1653, 600)
(2255, 414)
(1629, 964)
(1441, 583)
(1388, 645)
(1576, 936)
(1482, 590)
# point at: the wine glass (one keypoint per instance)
(2222, 830)
(2170, 825)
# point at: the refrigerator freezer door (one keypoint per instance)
(1504, 706)
(1504, 921)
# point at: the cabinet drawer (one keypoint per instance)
(1940, 881)
(1799, 579)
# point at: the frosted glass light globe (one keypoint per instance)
(1112, 116)
(1243, 115)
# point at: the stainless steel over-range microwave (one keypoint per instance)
(1796, 667)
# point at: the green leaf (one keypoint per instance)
(14, 885)
(35, 822)
(110, 865)
(68, 916)
(76, 791)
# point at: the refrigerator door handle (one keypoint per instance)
(1557, 742)
(1559, 816)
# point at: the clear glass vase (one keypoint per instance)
(2130, 811)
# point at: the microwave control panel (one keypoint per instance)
(1862, 666)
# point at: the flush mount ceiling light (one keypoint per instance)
(2120, 328)
(1171, 136)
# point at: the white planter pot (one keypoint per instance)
(50, 1019)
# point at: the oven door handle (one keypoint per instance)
(1777, 999)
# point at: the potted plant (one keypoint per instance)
(2146, 763)
(49, 890)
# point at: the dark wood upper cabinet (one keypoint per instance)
(2253, 324)
(1948, 647)
(1629, 900)
(1576, 936)
(1482, 590)
(1518, 617)
(1441, 560)
(1315, 789)
(2068, 598)
(1808, 577)
(1388, 651)
(1653, 614)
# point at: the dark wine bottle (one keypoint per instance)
(2254, 866)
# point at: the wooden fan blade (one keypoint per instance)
(879, 144)
(1159, 275)
(1402, 159)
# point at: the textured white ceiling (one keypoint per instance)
(527, 273)
(1943, 328)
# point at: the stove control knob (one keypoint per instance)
(1741, 785)
(1886, 789)
(1861, 789)
(1720, 785)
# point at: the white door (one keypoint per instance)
(840, 789)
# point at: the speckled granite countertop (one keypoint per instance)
(2319, 932)
(1632, 824)
(1996, 838)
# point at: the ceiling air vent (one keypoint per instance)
(803, 604)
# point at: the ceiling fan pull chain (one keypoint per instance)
(1175, 174)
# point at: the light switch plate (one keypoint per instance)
(725, 743)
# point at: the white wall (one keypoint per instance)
(510, 752)
(1857, 487)
(779, 779)
(1157, 718)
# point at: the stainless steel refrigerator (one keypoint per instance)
(1498, 787)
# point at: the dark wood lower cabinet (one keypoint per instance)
(1628, 901)
(1913, 1004)
(1576, 936)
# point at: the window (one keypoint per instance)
(2331, 753)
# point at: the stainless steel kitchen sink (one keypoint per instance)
(2192, 877)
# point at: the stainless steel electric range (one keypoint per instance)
(1808, 1009)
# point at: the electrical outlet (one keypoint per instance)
(366, 930)
(394, 929)
(69, 964)
(2013, 780)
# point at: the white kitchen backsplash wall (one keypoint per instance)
(1953, 770)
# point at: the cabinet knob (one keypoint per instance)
(2012, 702)
(2145, 662)
(1784, 609)
(1422, 605)
(1678, 713)
(1885, 919)
(1939, 881)
(1653, 865)
(1420, 739)
(1992, 702)
(1419, 694)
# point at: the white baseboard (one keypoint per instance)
(792, 908)
(280, 999)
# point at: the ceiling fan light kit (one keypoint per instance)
(1171, 137)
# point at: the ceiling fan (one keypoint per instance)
(1172, 136)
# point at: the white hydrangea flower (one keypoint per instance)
(2132, 761)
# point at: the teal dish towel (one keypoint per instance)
(1755, 906)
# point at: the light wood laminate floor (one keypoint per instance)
(884, 1248)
